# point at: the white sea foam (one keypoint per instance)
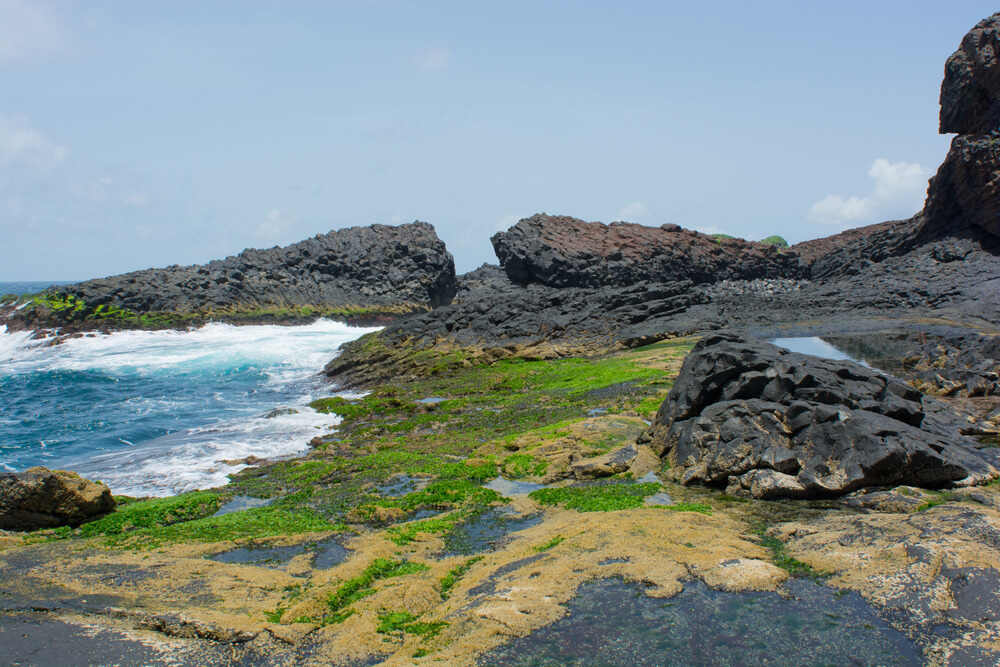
(192, 457)
(195, 458)
(213, 345)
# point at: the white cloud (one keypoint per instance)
(274, 225)
(22, 145)
(433, 59)
(898, 193)
(27, 30)
(634, 212)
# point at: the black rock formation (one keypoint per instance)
(970, 103)
(761, 420)
(405, 267)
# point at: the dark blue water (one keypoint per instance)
(158, 412)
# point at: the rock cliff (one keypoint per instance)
(358, 270)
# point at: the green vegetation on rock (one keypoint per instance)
(554, 542)
(449, 580)
(403, 621)
(597, 498)
(775, 241)
(361, 586)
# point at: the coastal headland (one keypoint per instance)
(598, 451)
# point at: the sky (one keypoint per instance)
(137, 134)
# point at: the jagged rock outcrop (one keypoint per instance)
(965, 192)
(376, 265)
(966, 189)
(761, 420)
(560, 251)
(970, 92)
(43, 498)
(363, 275)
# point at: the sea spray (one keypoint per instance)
(186, 401)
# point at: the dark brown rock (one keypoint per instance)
(43, 498)
(560, 251)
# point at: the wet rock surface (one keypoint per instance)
(771, 423)
(610, 622)
(43, 498)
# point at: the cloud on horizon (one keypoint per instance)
(899, 190)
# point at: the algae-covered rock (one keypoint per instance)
(43, 498)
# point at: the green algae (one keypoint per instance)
(361, 586)
(551, 544)
(455, 574)
(596, 498)
(405, 622)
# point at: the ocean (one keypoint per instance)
(29, 287)
(157, 412)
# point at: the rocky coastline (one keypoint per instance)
(591, 439)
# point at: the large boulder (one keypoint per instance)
(404, 267)
(560, 251)
(43, 498)
(760, 420)
(970, 92)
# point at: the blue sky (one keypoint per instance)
(138, 134)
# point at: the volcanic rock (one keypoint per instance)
(761, 420)
(965, 192)
(406, 266)
(970, 92)
(560, 251)
(43, 498)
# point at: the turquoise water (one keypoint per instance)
(158, 412)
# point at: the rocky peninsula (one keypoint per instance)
(359, 274)
(588, 453)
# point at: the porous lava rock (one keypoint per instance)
(561, 251)
(760, 420)
(404, 266)
(43, 498)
